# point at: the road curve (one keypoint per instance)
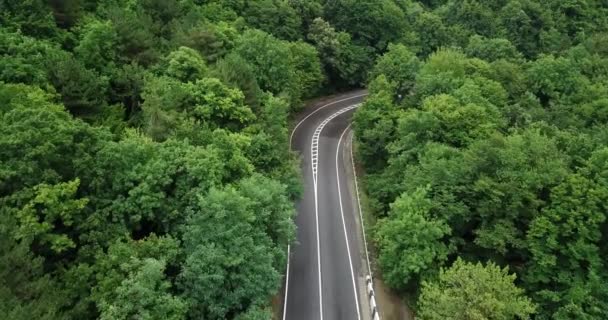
(325, 275)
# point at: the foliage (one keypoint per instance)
(492, 109)
(474, 291)
(142, 141)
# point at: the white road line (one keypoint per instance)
(352, 159)
(316, 209)
(318, 253)
(350, 260)
(317, 110)
(314, 154)
(286, 281)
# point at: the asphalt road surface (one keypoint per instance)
(326, 272)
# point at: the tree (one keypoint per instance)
(234, 71)
(229, 262)
(305, 60)
(371, 23)
(51, 209)
(83, 91)
(144, 295)
(186, 65)
(271, 62)
(345, 63)
(400, 66)
(473, 291)
(374, 124)
(492, 49)
(277, 17)
(97, 45)
(212, 41)
(409, 240)
(218, 104)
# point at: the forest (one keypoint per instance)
(485, 145)
(145, 170)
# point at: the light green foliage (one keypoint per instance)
(97, 45)
(218, 104)
(186, 64)
(23, 58)
(444, 71)
(400, 66)
(307, 65)
(132, 281)
(461, 122)
(50, 206)
(409, 240)
(269, 58)
(492, 49)
(144, 295)
(473, 291)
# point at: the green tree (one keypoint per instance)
(371, 23)
(229, 264)
(492, 49)
(186, 65)
(400, 66)
(51, 209)
(97, 45)
(277, 17)
(305, 60)
(474, 291)
(234, 71)
(409, 240)
(270, 60)
(144, 294)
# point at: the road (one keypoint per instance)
(327, 269)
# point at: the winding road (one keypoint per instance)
(328, 264)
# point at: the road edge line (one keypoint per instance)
(350, 259)
(290, 149)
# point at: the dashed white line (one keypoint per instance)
(319, 109)
(316, 209)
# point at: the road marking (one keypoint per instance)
(350, 260)
(319, 109)
(314, 178)
(352, 159)
(370, 277)
(286, 282)
(314, 146)
(314, 154)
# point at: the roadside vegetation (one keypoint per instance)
(145, 171)
(485, 145)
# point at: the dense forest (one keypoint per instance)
(145, 170)
(485, 145)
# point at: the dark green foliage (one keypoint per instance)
(145, 169)
(128, 127)
(501, 134)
